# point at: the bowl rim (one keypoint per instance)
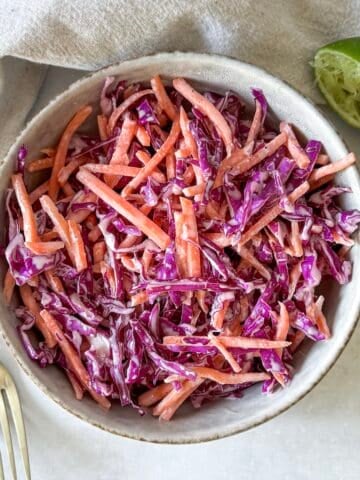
(235, 430)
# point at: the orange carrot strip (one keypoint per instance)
(102, 127)
(190, 232)
(33, 281)
(194, 190)
(49, 236)
(163, 98)
(116, 114)
(296, 240)
(294, 278)
(323, 159)
(40, 190)
(188, 137)
(249, 162)
(78, 389)
(95, 234)
(123, 143)
(99, 250)
(144, 158)
(31, 304)
(219, 239)
(114, 169)
(61, 152)
(219, 316)
(294, 147)
(230, 342)
(44, 248)
(147, 259)
(322, 181)
(282, 329)
(78, 247)
(50, 152)
(173, 400)
(180, 245)
(143, 136)
(254, 262)
(297, 340)
(271, 214)
(139, 298)
(189, 175)
(155, 160)
(332, 168)
(72, 358)
(9, 285)
(320, 317)
(30, 227)
(154, 395)
(132, 214)
(67, 170)
(255, 124)
(224, 352)
(59, 222)
(230, 378)
(170, 166)
(68, 190)
(54, 281)
(40, 164)
(208, 109)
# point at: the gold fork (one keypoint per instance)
(8, 390)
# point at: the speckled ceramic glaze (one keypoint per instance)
(226, 417)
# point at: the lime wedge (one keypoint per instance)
(337, 73)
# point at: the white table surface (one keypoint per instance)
(319, 438)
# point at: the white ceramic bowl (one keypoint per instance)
(225, 417)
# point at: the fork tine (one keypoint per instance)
(16, 411)
(1, 469)
(7, 435)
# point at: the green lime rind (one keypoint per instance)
(337, 73)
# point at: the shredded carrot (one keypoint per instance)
(67, 170)
(320, 317)
(297, 340)
(230, 378)
(139, 298)
(296, 240)
(173, 400)
(194, 190)
(229, 342)
(34, 281)
(253, 261)
(49, 152)
(255, 125)
(332, 168)
(116, 114)
(132, 214)
(61, 152)
(40, 164)
(99, 250)
(219, 239)
(31, 304)
(219, 316)
(294, 278)
(147, 259)
(294, 147)
(30, 227)
(72, 358)
(155, 160)
(208, 109)
(323, 159)
(163, 98)
(102, 127)
(77, 245)
(38, 192)
(186, 133)
(95, 234)
(322, 181)
(271, 214)
(228, 356)
(113, 169)
(143, 136)
(68, 190)
(49, 236)
(44, 248)
(120, 157)
(190, 235)
(78, 389)
(8, 289)
(180, 245)
(144, 158)
(59, 222)
(54, 281)
(154, 395)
